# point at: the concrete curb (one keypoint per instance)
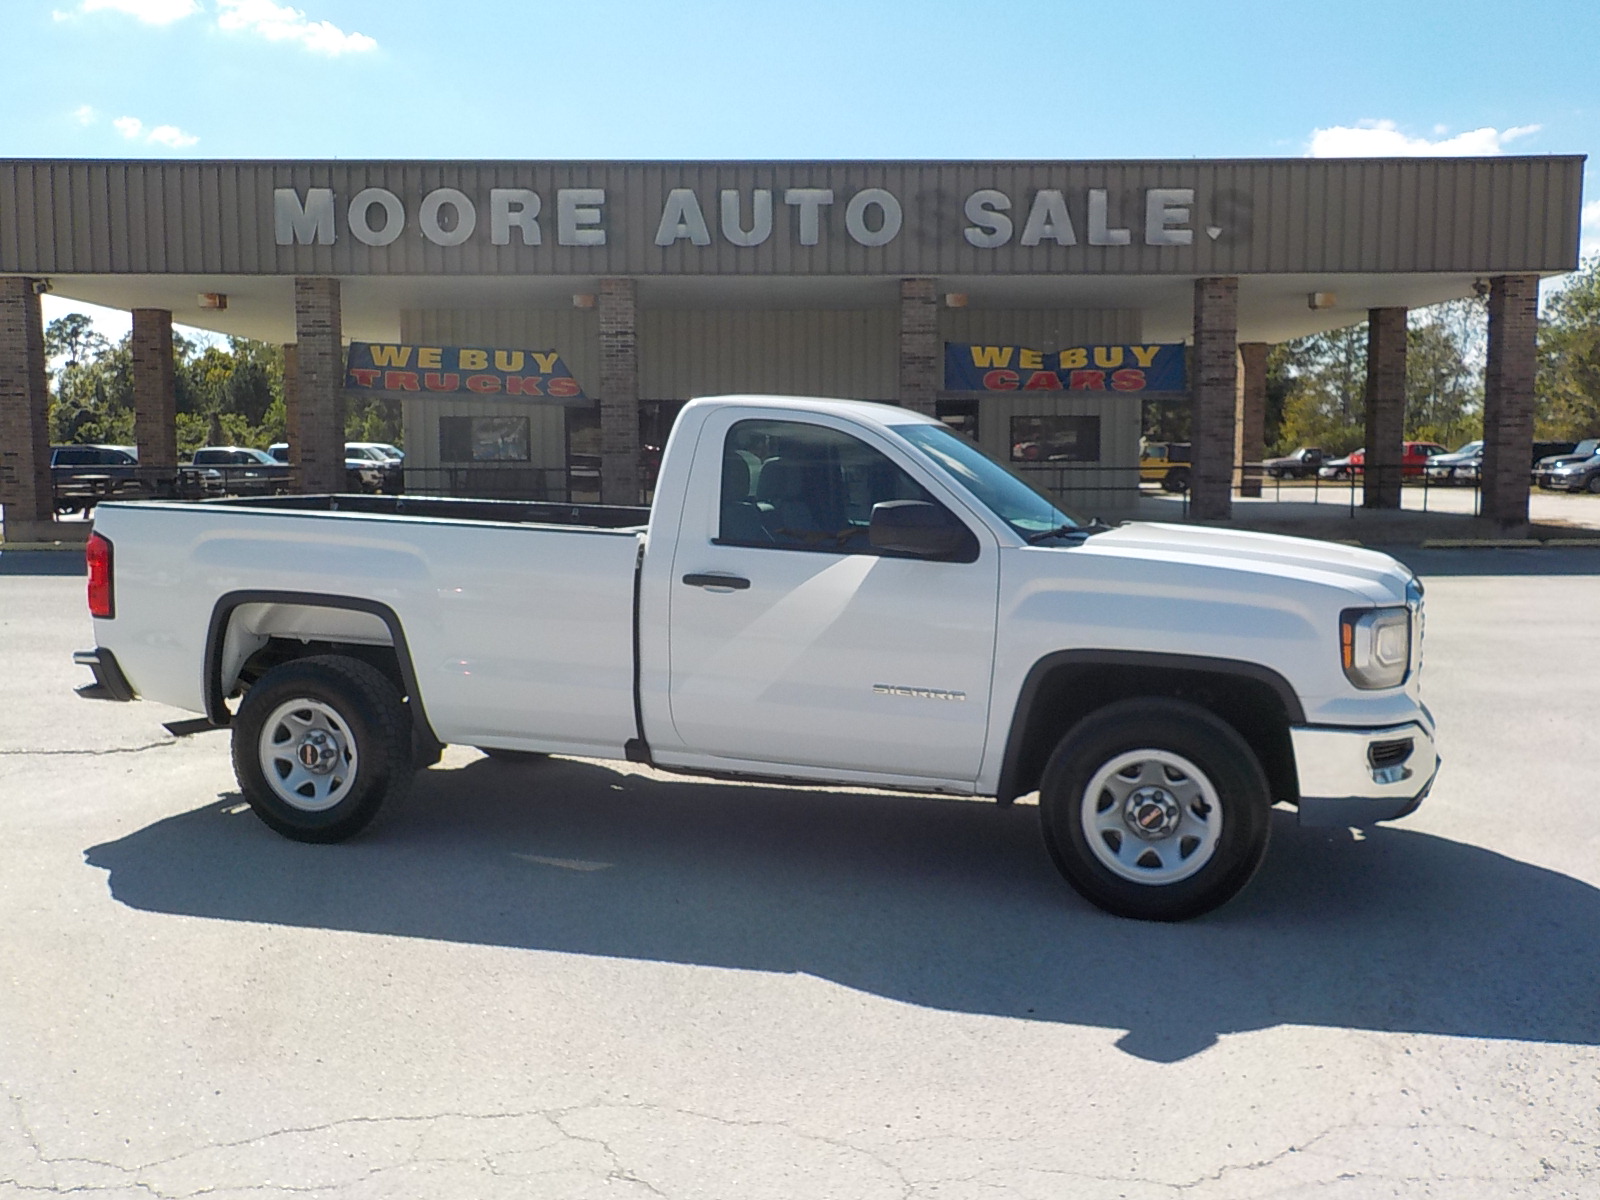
(1506, 543)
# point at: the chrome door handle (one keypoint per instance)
(733, 583)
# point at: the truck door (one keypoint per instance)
(792, 641)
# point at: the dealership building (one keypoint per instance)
(530, 314)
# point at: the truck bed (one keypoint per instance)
(516, 512)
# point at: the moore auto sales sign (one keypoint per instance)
(869, 216)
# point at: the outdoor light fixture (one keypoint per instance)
(217, 300)
(1322, 299)
(583, 300)
(42, 286)
(955, 299)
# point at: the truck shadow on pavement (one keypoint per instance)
(941, 903)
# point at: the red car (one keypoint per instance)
(1414, 457)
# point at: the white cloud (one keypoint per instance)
(280, 23)
(151, 12)
(1383, 139)
(85, 114)
(170, 136)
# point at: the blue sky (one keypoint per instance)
(702, 79)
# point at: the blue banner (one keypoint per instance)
(538, 376)
(1130, 369)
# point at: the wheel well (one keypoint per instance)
(252, 632)
(1070, 692)
(279, 650)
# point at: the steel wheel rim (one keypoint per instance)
(308, 755)
(1151, 816)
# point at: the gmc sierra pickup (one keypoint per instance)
(822, 590)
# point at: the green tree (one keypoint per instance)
(1567, 387)
(73, 338)
(1323, 378)
(1445, 347)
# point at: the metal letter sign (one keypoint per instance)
(1130, 369)
(538, 376)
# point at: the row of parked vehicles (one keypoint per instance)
(84, 475)
(1559, 466)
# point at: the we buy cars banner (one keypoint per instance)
(538, 376)
(1125, 368)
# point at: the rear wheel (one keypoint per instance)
(1594, 484)
(1177, 480)
(1155, 809)
(319, 744)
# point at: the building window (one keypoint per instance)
(1055, 439)
(483, 439)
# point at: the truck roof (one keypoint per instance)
(869, 411)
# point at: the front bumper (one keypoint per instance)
(1361, 776)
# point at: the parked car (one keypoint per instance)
(387, 449)
(1414, 459)
(1166, 463)
(80, 476)
(1302, 464)
(1461, 464)
(1342, 468)
(376, 466)
(368, 466)
(245, 470)
(986, 643)
(1469, 469)
(1575, 472)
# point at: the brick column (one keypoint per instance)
(319, 376)
(1508, 398)
(1385, 407)
(1214, 388)
(25, 492)
(921, 356)
(1250, 426)
(155, 413)
(291, 400)
(619, 393)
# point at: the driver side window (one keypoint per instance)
(794, 486)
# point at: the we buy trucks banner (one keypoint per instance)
(535, 375)
(1126, 368)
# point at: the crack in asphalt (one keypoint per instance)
(132, 1178)
(89, 753)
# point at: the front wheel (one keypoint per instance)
(1155, 809)
(319, 744)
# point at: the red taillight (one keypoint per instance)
(98, 555)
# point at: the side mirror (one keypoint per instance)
(923, 530)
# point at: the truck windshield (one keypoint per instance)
(1016, 502)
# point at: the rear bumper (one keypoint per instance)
(109, 681)
(1361, 776)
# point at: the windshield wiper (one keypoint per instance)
(1093, 527)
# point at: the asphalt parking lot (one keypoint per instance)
(581, 980)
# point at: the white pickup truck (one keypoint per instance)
(823, 590)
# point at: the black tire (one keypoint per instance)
(351, 718)
(1593, 486)
(1220, 802)
(1177, 480)
(512, 757)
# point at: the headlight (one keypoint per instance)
(1375, 646)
